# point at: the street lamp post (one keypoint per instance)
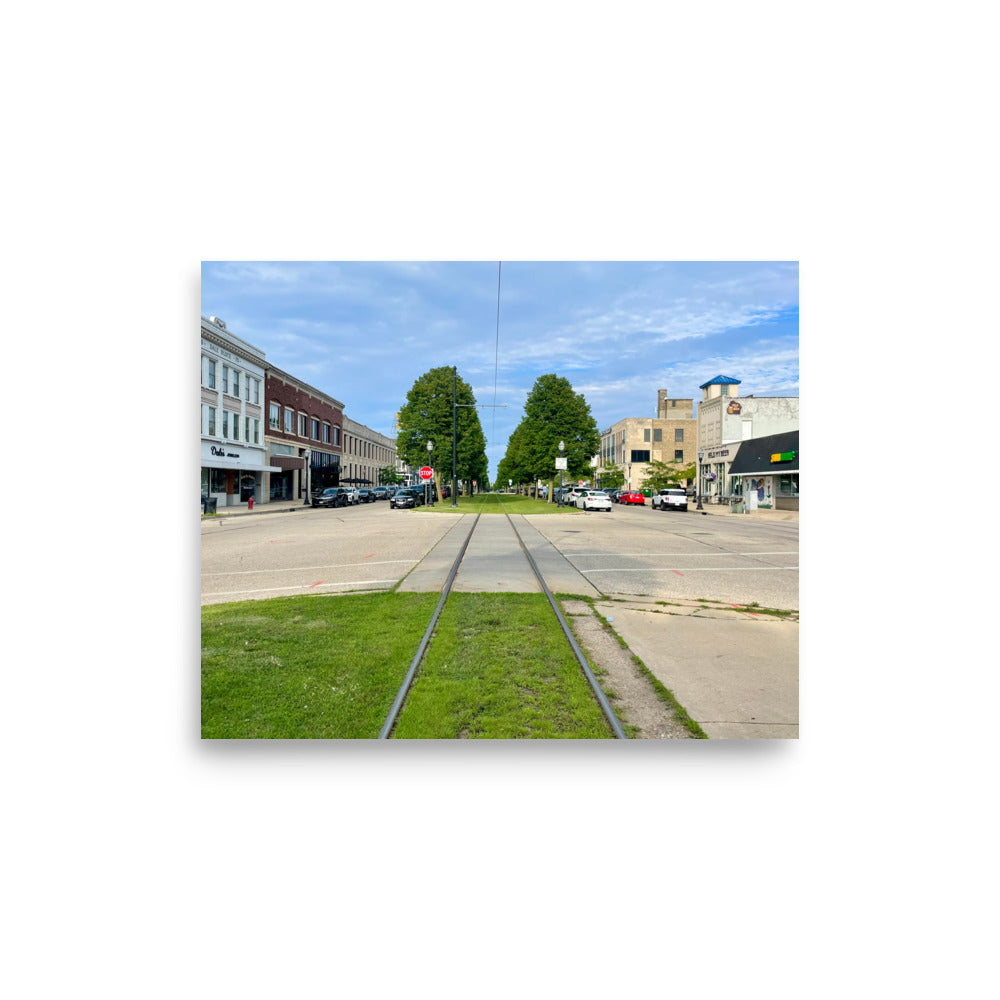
(562, 448)
(430, 488)
(701, 455)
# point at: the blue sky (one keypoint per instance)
(619, 331)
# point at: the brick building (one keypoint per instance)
(304, 437)
(631, 443)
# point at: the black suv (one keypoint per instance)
(332, 496)
(366, 496)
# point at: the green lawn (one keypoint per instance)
(500, 668)
(329, 667)
(310, 667)
(497, 503)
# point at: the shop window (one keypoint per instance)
(788, 486)
(218, 481)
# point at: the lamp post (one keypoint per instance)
(701, 455)
(562, 448)
(430, 488)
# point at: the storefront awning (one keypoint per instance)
(228, 463)
(287, 463)
(755, 456)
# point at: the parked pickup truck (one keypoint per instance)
(672, 498)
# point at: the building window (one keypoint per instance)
(225, 423)
(788, 486)
(302, 425)
(645, 433)
(211, 421)
(225, 378)
(678, 435)
(246, 389)
(639, 456)
(336, 435)
(289, 419)
(236, 427)
(256, 432)
(211, 374)
(256, 390)
(314, 429)
(326, 433)
(679, 455)
(658, 434)
(273, 417)
(236, 383)
(246, 430)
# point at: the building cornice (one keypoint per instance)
(305, 387)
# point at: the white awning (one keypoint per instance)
(229, 463)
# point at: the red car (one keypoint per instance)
(632, 496)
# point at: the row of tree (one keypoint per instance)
(553, 414)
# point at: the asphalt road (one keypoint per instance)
(631, 551)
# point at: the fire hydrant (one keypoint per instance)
(249, 503)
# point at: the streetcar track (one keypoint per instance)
(411, 674)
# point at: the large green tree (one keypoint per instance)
(660, 475)
(427, 416)
(553, 412)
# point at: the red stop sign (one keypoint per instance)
(426, 472)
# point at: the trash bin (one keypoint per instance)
(208, 505)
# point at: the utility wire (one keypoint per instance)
(496, 361)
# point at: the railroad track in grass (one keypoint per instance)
(412, 673)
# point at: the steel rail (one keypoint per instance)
(602, 700)
(412, 672)
(404, 689)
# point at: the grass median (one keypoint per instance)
(499, 503)
(328, 667)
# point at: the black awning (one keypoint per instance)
(754, 456)
(358, 482)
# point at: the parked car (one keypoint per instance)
(366, 496)
(381, 493)
(352, 494)
(632, 496)
(613, 495)
(332, 496)
(594, 500)
(573, 494)
(672, 498)
(410, 497)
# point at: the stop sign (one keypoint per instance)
(426, 472)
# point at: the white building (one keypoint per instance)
(233, 454)
(725, 419)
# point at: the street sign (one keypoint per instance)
(426, 472)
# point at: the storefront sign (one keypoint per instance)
(222, 453)
(718, 454)
(783, 456)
